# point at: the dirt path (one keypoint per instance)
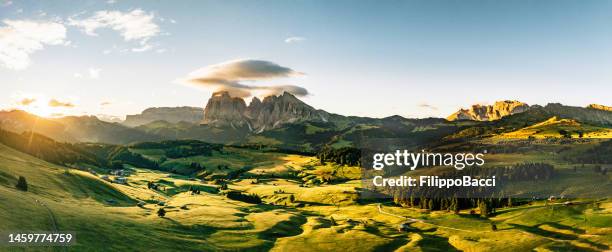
(51, 215)
(422, 221)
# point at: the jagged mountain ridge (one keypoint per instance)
(222, 110)
(286, 122)
(489, 112)
(599, 107)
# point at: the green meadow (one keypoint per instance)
(306, 206)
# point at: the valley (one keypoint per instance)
(304, 205)
(279, 175)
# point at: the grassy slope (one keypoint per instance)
(552, 126)
(213, 222)
(78, 202)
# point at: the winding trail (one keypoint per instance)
(422, 221)
(51, 215)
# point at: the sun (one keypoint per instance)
(43, 111)
(42, 105)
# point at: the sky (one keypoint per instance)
(364, 58)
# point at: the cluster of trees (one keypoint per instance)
(182, 148)
(597, 155)
(344, 156)
(47, 149)
(174, 143)
(194, 190)
(526, 171)
(102, 155)
(236, 173)
(122, 155)
(67, 154)
(277, 149)
(248, 198)
(484, 198)
(188, 151)
(486, 206)
(152, 186)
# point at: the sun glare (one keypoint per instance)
(44, 110)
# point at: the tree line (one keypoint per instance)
(181, 148)
(343, 156)
(484, 198)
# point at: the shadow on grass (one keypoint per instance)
(196, 231)
(560, 236)
(434, 243)
(393, 245)
(291, 227)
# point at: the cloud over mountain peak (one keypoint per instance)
(232, 76)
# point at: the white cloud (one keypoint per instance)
(136, 25)
(290, 40)
(173, 21)
(7, 3)
(77, 75)
(20, 38)
(237, 77)
(94, 73)
(26, 101)
(143, 48)
(60, 103)
(427, 106)
(111, 1)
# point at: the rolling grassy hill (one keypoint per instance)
(306, 206)
(554, 127)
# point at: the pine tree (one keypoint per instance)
(455, 205)
(22, 184)
(484, 208)
(161, 212)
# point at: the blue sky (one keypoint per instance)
(366, 58)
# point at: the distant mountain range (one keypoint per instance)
(168, 114)
(286, 122)
(73, 128)
(489, 112)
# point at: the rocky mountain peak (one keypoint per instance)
(489, 112)
(600, 107)
(255, 102)
(274, 111)
(224, 110)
